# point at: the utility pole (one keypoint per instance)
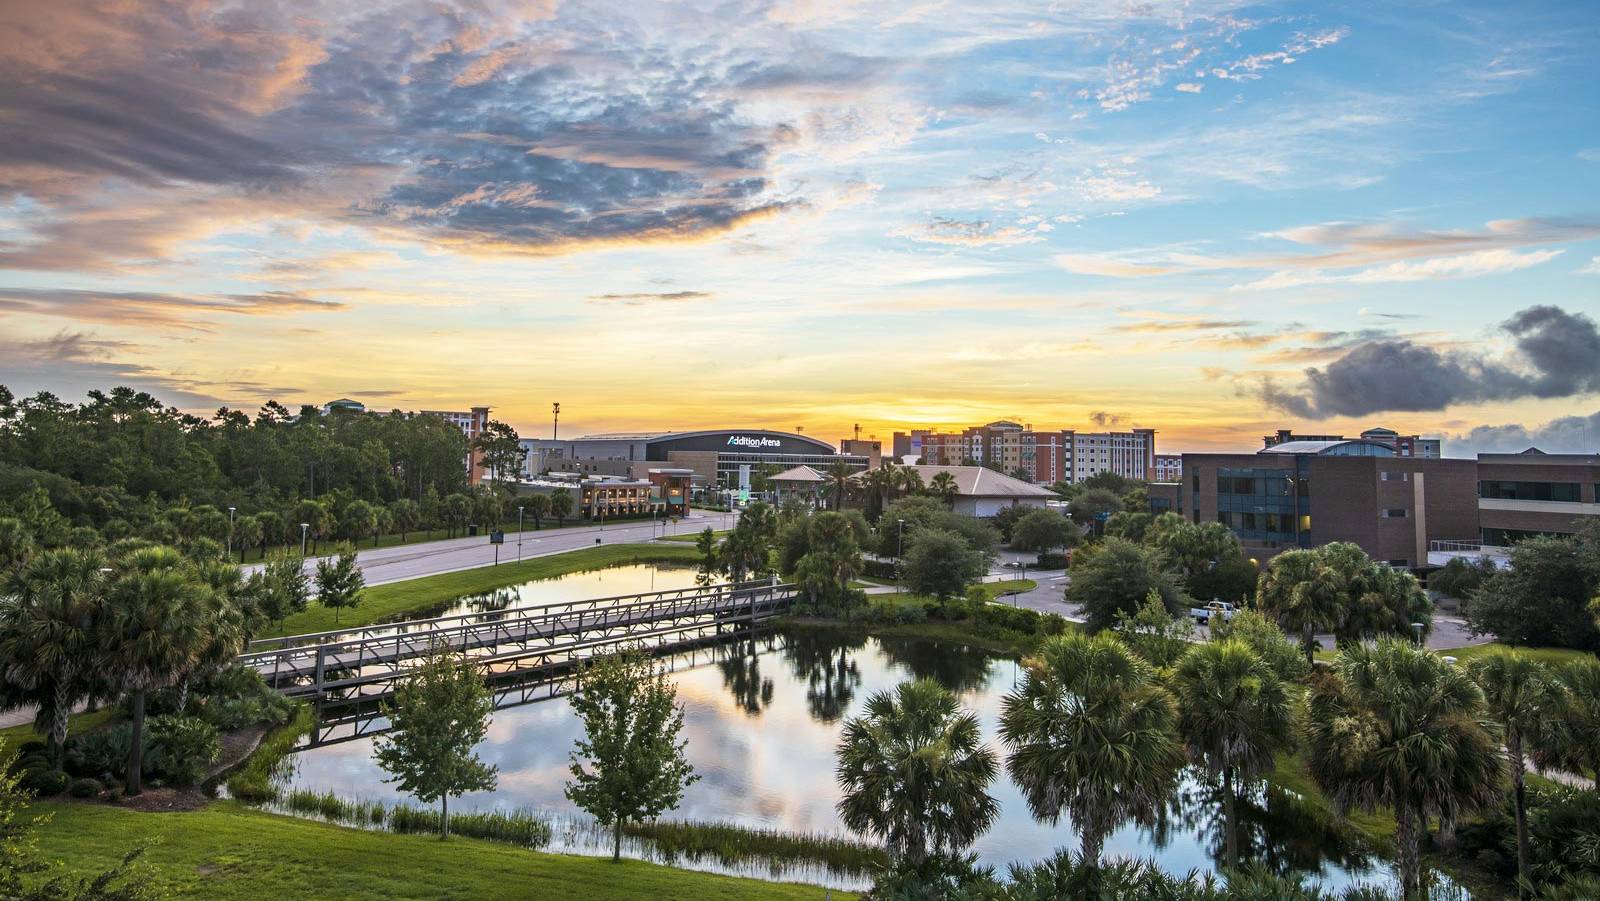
(555, 424)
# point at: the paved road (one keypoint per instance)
(410, 561)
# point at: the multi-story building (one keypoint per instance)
(471, 424)
(1533, 493)
(1168, 468)
(1403, 445)
(871, 448)
(1309, 493)
(1046, 457)
(908, 445)
(1131, 454)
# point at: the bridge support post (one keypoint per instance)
(322, 662)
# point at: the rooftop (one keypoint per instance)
(978, 481)
(1354, 447)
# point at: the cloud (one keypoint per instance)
(640, 299)
(1376, 252)
(1191, 87)
(1107, 420)
(1468, 265)
(970, 233)
(1183, 325)
(1557, 354)
(1249, 68)
(154, 309)
(1566, 435)
(1591, 268)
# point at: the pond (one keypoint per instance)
(763, 717)
(613, 581)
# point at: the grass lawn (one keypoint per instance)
(996, 589)
(412, 596)
(228, 851)
(692, 537)
(77, 724)
(1547, 656)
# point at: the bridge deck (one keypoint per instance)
(340, 661)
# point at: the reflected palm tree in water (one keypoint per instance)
(960, 668)
(741, 676)
(822, 657)
(492, 604)
(1276, 831)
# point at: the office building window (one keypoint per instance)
(1225, 518)
(1395, 476)
(1529, 491)
(1394, 513)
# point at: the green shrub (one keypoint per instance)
(106, 752)
(45, 783)
(879, 569)
(189, 745)
(891, 610)
(32, 747)
(33, 761)
(85, 787)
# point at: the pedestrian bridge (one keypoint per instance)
(353, 666)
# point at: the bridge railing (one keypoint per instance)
(362, 656)
(458, 619)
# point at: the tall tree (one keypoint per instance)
(439, 715)
(939, 564)
(1304, 594)
(831, 562)
(156, 630)
(502, 455)
(1043, 530)
(49, 615)
(1572, 736)
(406, 516)
(1091, 733)
(839, 481)
(1115, 576)
(944, 486)
(915, 772)
(281, 586)
(630, 764)
(1521, 700)
(1397, 726)
(1237, 715)
(340, 583)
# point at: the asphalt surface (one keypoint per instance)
(410, 561)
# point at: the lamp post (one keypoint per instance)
(227, 553)
(1417, 628)
(900, 553)
(519, 533)
(303, 528)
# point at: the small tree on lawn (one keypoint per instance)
(939, 564)
(339, 581)
(439, 714)
(561, 505)
(630, 763)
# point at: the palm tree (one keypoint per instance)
(1519, 698)
(1237, 715)
(224, 622)
(1573, 738)
(1303, 594)
(944, 487)
(155, 632)
(839, 474)
(48, 631)
(910, 480)
(915, 772)
(1397, 726)
(1091, 732)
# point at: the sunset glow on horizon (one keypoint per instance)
(1208, 218)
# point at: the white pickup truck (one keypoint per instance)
(1221, 609)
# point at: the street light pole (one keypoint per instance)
(900, 553)
(227, 553)
(303, 527)
(519, 533)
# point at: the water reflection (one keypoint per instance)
(613, 581)
(762, 719)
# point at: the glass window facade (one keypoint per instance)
(1261, 505)
(1530, 491)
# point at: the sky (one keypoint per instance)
(1206, 218)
